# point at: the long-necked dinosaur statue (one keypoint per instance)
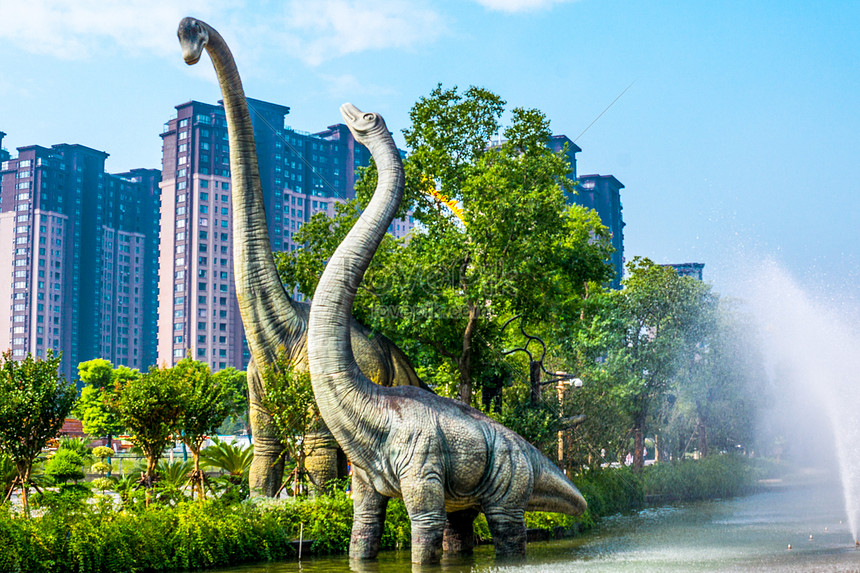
(272, 319)
(435, 453)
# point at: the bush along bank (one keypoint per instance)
(75, 534)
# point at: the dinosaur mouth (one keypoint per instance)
(350, 113)
(192, 58)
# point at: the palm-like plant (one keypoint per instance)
(235, 462)
(175, 473)
(172, 479)
(230, 458)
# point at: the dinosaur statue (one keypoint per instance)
(272, 319)
(436, 453)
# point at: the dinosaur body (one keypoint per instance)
(272, 319)
(445, 459)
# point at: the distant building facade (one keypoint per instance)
(4, 154)
(692, 270)
(603, 194)
(301, 174)
(81, 259)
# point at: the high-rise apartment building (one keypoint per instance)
(301, 174)
(601, 193)
(4, 154)
(81, 258)
(692, 270)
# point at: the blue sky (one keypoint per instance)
(738, 140)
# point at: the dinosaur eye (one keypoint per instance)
(369, 117)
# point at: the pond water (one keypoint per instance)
(745, 534)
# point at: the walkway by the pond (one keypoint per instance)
(745, 534)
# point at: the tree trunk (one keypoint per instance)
(638, 448)
(197, 477)
(464, 363)
(534, 381)
(703, 438)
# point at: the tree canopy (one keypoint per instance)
(100, 380)
(34, 401)
(444, 292)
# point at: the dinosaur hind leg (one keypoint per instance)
(459, 537)
(369, 518)
(508, 527)
(267, 467)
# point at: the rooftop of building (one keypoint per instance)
(610, 179)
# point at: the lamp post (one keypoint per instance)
(565, 382)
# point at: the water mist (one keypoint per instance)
(816, 355)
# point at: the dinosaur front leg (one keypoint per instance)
(508, 526)
(459, 537)
(368, 519)
(424, 498)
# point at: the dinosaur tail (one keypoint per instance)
(554, 492)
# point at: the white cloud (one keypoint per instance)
(325, 29)
(349, 84)
(519, 5)
(311, 31)
(74, 29)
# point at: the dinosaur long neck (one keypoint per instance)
(268, 313)
(348, 401)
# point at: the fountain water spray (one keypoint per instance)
(822, 352)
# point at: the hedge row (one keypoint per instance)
(96, 536)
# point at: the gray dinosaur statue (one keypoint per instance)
(439, 455)
(272, 319)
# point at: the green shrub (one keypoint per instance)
(398, 528)
(104, 536)
(65, 465)
(712, 477)
(610, 490)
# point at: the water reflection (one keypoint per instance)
(747, 534)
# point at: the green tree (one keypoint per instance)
(657, 321)
(150, 407)
(719, 388)
(34, 401)
(204, 407)
(444, 292)
(100, 379)
(289, 398)
(235, 383)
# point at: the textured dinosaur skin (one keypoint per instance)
(438, 454)
(272, 319)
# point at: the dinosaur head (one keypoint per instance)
(193, 37)
(362, 125)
